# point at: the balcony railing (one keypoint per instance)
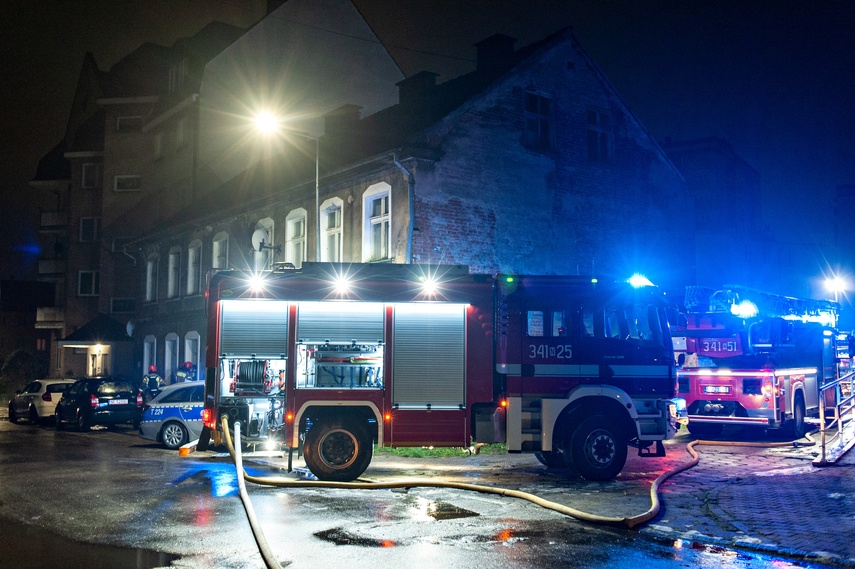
(50, 317)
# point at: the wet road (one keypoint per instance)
(110, 499)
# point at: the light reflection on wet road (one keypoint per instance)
(112, 489)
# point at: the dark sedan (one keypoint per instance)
(100, 401)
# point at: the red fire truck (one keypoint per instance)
(335, 358)
(755, 358)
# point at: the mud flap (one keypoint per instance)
(648, 453)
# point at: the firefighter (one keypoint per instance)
(185, 373)
(151, 381)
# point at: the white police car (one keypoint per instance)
(174, 417)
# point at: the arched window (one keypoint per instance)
(194, 267)
(170, 357)
(151, 278)
(295, 245)
(377, 223)
(331, 230)
(262, 259)
(173, 277)
(191, 351)
(220, 251)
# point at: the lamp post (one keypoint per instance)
(268, 124)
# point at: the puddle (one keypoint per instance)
(441, 510)
(339, 536)
(36, 548)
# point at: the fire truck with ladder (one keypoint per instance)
(331, 359)
(753, 358)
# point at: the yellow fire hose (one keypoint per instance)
(630, 522)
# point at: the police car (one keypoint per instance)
(174, 417)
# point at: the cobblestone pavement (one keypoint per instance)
(771, 499)
(767, 499)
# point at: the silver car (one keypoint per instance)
(174, 417)
(37, 400)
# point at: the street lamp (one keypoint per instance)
(269, 124)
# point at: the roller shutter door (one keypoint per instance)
(259, 328)
(429, 356)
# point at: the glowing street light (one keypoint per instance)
(266, 122)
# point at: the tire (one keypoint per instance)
(705, 429)
(796, 427)
(57, 419)
(34, 416)
(551, 459)
(173, 435)
(82, 423)
(337, 450)
(597, 448)
(12, 418)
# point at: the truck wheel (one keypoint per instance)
(551, 459)
(796, 427)
(597, 448)
(705, 429)
(337, 450)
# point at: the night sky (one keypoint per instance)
(775, 78)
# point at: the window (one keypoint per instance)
(89, 229)
(87, 283)
(599, 136)
(194, 267)
(331, 236)
(173, 275)
(263, 256)
(295, 246)
(122, 305)
(170, 357)
(220, 249)
(158, 145)
(149, 352)
(376, 227)
(128, 124)
(127, 183)
(539, 131)
(90, 177)
(192, 345)
(151, 278)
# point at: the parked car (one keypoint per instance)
(100, 401)
(37, 401)
(174, 416)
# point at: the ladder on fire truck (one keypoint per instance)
(705, 299)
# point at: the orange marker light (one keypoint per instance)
(289, 417)
(504, 403)
(388, 417)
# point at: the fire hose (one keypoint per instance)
(627, 522)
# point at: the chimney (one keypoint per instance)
(417, 88)
(495, 52)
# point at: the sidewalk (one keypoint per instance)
(768, 499)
